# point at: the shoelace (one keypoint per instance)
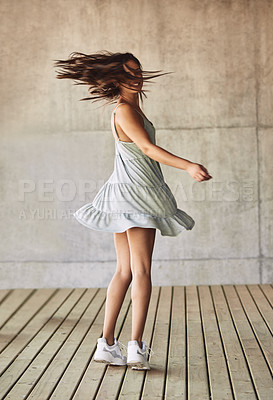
(123, 346)
(151, 352)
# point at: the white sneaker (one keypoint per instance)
(137, 357)
(110, 354)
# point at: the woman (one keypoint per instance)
(135, 201)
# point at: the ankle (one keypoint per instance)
(139, 342)
(109, 341)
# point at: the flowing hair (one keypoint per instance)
(103, 72)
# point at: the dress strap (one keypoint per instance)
(120, 104)
(113, 122)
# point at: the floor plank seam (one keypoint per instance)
(17, 309)
(205, 344)
(186, 344)
(259, 310)
(126, 369)
(28, 321)
(151, 341)
(242, 346)
(266, 296)
(80, 342)
(223, 345)
(6, 296)
(106, 366)
(27, 343)
(168, 347)
(63, 343)
(254, 332)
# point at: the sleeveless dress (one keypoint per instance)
(135, 195)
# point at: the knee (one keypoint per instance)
(141, 284)
(141, 269)
(126, 277)
(142, 274)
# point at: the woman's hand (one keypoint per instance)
(198, 172)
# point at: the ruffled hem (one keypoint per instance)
(98, 220)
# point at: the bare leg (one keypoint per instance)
(141, 243)
(118, 286)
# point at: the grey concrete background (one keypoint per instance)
(56, 151)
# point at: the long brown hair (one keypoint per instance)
(103, 72)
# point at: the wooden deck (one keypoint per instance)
(209, 342)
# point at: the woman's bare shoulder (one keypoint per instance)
(125, 110)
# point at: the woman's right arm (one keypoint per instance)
(129, 121)
(197, 171)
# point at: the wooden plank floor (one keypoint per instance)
(209, 342)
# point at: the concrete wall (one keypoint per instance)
(216, 109)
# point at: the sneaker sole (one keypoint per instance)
(102, 361)
(137, 365)
(109, 362)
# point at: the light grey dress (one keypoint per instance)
(135, 195)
